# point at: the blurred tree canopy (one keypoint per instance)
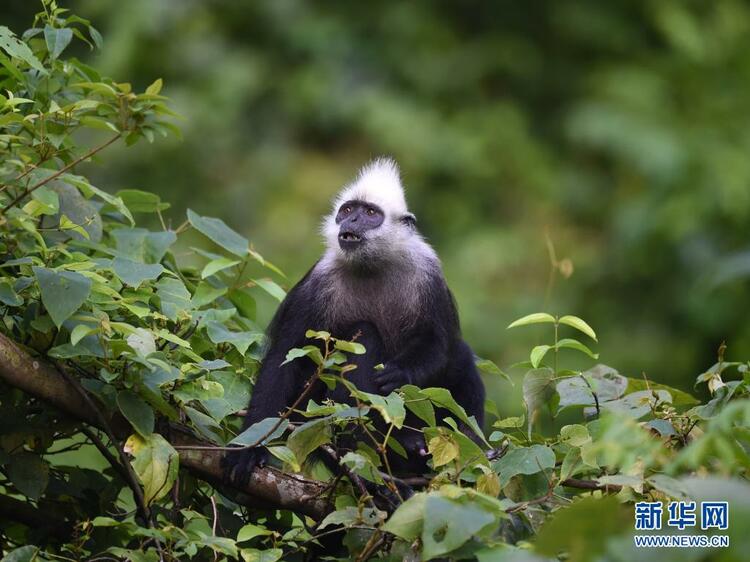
(618, 128)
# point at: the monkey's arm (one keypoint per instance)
(423, 355)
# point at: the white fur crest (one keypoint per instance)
(378, 182)
(393, 241)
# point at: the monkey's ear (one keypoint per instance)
(409, 220)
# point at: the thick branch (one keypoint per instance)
(267, 487)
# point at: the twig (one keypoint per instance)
(590, 485)
(373, 545)
(355, 479)
(131, 479)
(99, 444)
(215, 522)
(60, 172)
(596, 398)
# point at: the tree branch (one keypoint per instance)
(267, 487)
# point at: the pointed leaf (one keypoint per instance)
(136, 411)
(219, 233)
(570, 343)
(57, 39)
(156, 463)
(536, 318)
(133, 273)
(63, 292)
(538, 353)
(578, 324)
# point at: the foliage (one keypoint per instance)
(617, 127)
(112, 305)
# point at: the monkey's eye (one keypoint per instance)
(370, 211)
(346, 209)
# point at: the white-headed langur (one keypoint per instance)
(378, 281)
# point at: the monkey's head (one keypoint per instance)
(369, 221)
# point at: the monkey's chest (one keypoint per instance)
(386, 305)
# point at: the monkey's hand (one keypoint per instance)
(239, 465)
(414, 444)
(391, 378)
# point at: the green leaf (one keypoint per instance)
(253, 434)
(141, 201)
(443, 450)
(487, 367)
(308, 437)
(679, 397)
(205, 424)
(23, 554)
(155, 87)
(538, 390)
(133, 273)
(219, 233)
(450, 524)
(584, 529)
(407, 521)
(48, 199)
(391, 407)
(442, 398)
(68, 225)
(538, 353)
(637, 404)
(156, 463)
(140, 245)
(218, 333)
(57, 39)
(350, 347)
(244, 302)
(250, 531)
(235, 398)
(363, 466)
(255, 555)
(513, 422)
(271, 288)
(285, 455)
(174, 297)
(18, 49)
(536, 318)
(605, 381)
(142, 341)
(219, 264)
(307, 351)
(206, 294)
(418, 404)
(136, 411)
(524, 460)
(578, 324)
(29, 473)
(63, 292)
(200, 389)
(80, 332)
(575, 435)
(98, 123)
(8, 295)
(570, 343)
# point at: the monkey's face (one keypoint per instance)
(358, 221)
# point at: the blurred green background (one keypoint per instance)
(621, 129)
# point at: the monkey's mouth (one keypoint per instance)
(349, 240)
